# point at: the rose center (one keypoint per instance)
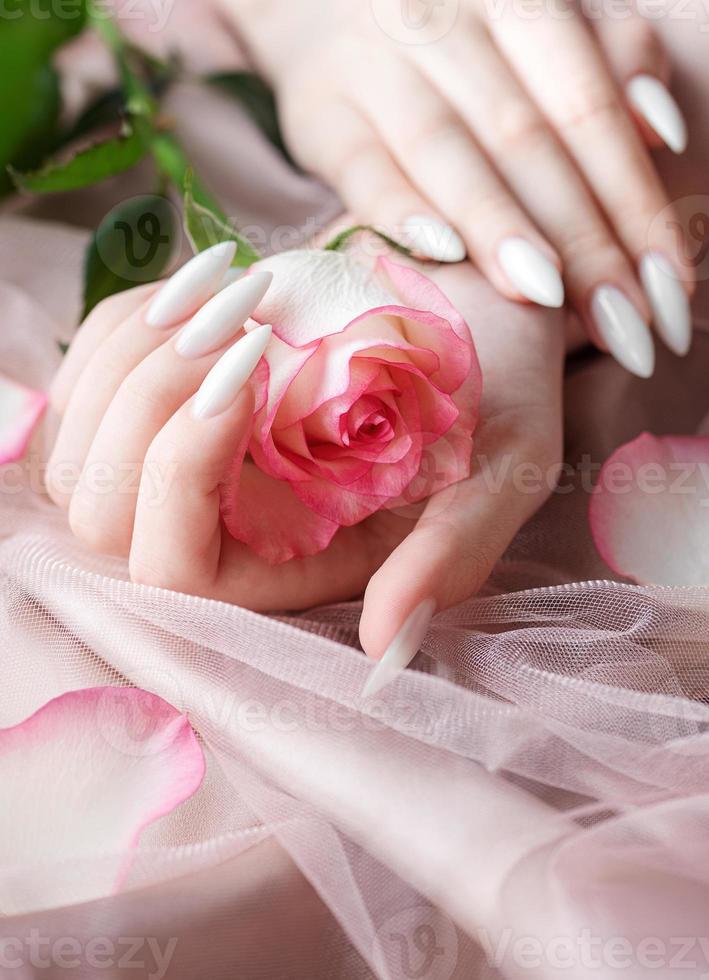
(371, 420)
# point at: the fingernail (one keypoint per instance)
(229, 375)
(223, 316)
(654, 102)
(402, 649)
(434, 239)
(191, 286)
(623, 329)
(669, 302)
(531, 272)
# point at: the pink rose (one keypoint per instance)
(370, 401)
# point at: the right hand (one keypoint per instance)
(515, 131)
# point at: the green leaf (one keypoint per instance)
(205, 227)
(258, 100)
(105, 111)
(91, 166)
(134, 244)
(30, 31)
(173, 163)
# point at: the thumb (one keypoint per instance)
(449, 555)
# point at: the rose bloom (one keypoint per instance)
(368, 400)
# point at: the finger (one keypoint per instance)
(641, 66)
(450, 554)
(537, 168)
(347, 152)
(562, 67)
(177, 542)
(116, 356)
(99, 324)
(466, 528)
(102, 508)
(441, 158)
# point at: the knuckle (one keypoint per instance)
(141, 392)
(589, 244)
(432, 130)
(640, 204)
(489, 208)
(519, 128)
(96, 534)
(590, 103)
(145, 570)
(168, 455)
(58, 486)
(171, 469)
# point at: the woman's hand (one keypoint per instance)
(524, 130)
(139, 473)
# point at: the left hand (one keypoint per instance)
(124, 395)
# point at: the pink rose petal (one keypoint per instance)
(432, 326)
(316, 293)
(84, 776)
(20, 410)
(649, 512)
(266, 515)
(372, 373)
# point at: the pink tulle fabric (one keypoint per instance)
(536, 789)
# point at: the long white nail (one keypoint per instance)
(654, 102)
(669, 302)
(531, 272)
(191, 286)
(402, 649)
(434, 239)
(223, 316)
(623, 329)
(229, 375)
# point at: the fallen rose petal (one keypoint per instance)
(649, 512)
(20, 410)
(104, 764)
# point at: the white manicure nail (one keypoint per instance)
(223, 316)
(623, 329)
(653, 101)
(531, 272)
(402, 649)
(229, 375)
(434, 239)
(191, 286)
(669, 302)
